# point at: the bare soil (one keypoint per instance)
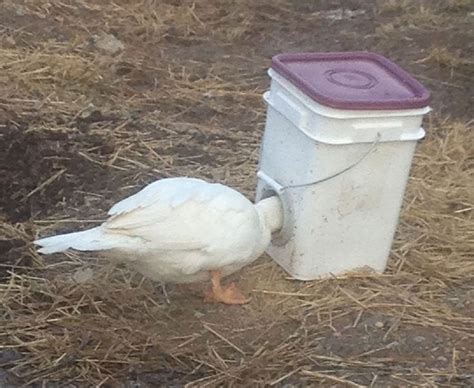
(98, 99)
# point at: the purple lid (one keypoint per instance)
(352, 80)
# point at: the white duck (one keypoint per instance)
(182, 230)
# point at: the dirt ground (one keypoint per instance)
(99, 98)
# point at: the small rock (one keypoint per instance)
(419, 339)
(340, 14)
(20, 10)
(378, 321)
(10, 42)
(90, 114)
(198, 314)
(442, 359)
(83, 275)
(87, 111)
(108, 43)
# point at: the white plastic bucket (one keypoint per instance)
(341, 176)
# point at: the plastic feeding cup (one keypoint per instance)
(339, 140)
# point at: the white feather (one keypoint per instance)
(178, 229)
(87, 240)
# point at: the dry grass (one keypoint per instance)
(443, 57)
(82, 128)
(95, 331)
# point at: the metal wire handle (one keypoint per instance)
(367, 153)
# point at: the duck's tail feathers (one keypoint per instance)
(87, 240)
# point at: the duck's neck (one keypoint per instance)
(270, 211)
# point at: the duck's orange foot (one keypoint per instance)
(228, 295)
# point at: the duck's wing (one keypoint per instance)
(164, 189)
(177, 213)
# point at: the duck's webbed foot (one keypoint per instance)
(228, 295)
